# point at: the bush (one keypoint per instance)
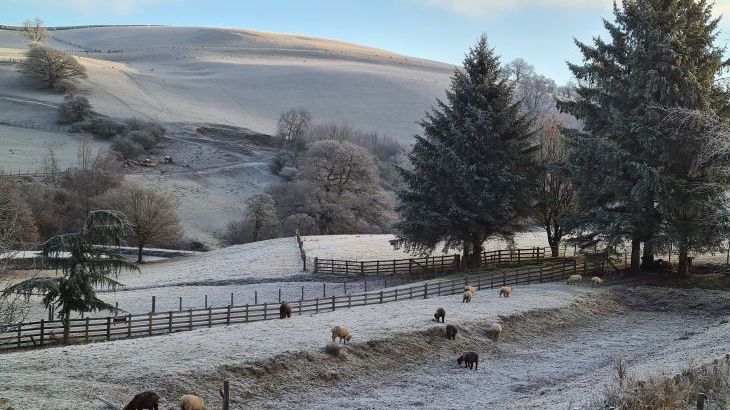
(144, 139)
(74, 108)
(282, 159)
(105, 128)
(126, 147)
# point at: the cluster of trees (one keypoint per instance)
(37, 210)
(645, 162)
(335, 179)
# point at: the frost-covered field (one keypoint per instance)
(371, 247)
(552, 352)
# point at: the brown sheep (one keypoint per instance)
(467, 297)
(285, 311)
(191, 402)
(505, 291)
(451, 332)
(342, 332)
(440, 315)
(148, 400)
(470, 359)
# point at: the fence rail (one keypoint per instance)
(444, 263)
(47, 333)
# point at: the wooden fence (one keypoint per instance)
(444, 263)
(48, 333)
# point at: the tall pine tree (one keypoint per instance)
(661, 54)
(471, 176)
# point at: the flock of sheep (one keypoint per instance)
(150, 400)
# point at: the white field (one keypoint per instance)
(372, 247)
(246, 78)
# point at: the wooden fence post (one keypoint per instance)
(300, 310)
(129, 326)
(344, 284)
(362, 267)
(266, 307)
(333, 303)
(316, 264)
(302, 293)
(86, 331)
(255, 297)
(232, 298)
(347, 267)
(316, 305)
(19, 334)
(425, 290)
(206, 301)
(279, 295)
(180, 308)
(190, 318)
(226, 395)
(210, 317)
(540, 273)
(228, 317)
(169, 322)
(324, 289)
(153, 304)
(701, 397)
(149, 325)
(108, 328)
(349, 301)
(381, 296)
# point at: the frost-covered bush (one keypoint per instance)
(126, 147)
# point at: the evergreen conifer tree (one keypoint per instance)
(470, 176)
(661, 54)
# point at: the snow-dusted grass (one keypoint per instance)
(71, 376)
(272, 259)
(372, 247)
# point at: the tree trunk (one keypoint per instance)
(66, 325)
(683, 267)
(139, 254)
(476, 248)
(635, 256)
(647, 259)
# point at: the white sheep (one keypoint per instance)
(506, 291)
(494, 330)
(342, 332)
(467, 297)
(191, 402)
(472, 289)
(574, 279)
(597, 281)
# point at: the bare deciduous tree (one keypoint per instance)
(338, 188)
(50, 67)
(34, 30)
(261, 211)
(153, 216)
(292, 127)
(555, 196)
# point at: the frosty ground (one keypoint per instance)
(557, 347)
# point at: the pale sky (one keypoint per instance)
(540, 31)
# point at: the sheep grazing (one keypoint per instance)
(472, 289)
(191, 402)
(451, 332)
(597, 281)
(285, 311)
(148, 400)
(574, 279)
(440, 315)
(342, 332)
(470, 360)
(494, 330)
(467, 297)
(506, 291)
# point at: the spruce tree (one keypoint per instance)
(470, 176)
(661, 54)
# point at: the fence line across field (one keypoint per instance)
(443, 263)
(48, 333)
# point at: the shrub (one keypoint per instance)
(282, 159)
(74, 108)
(126, 147)
(144, 139)
(105, 128)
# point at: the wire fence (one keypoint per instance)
(47, 333)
